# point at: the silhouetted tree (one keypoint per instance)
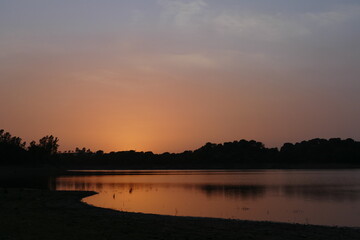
(50, 144)
(43, 150)
(317, 152)
(12, 149)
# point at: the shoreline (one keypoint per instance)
(214, 218)
(44, 214)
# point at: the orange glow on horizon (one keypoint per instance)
(174, 75)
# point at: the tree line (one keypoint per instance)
(13, 150)
(315, 153)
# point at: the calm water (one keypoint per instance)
(296, 196)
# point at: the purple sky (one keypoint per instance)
(170, 75)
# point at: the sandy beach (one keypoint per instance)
(43, 214)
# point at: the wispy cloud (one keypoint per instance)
(331, 17)
(274, 27)
(180, 12)
(264, 27)
(250, 24)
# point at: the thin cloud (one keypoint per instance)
(278, 26)
(181, 13)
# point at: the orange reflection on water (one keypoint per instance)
(314, 197)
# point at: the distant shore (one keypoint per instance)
(42, 214)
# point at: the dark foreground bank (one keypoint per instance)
(43, 214)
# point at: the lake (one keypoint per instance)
(321, 197)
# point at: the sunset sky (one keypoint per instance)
(171, 75)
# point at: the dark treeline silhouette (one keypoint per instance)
(14, 151)
(315, 153)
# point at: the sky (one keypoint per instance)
(171, 75)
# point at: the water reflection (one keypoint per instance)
(323, 197)
(234, 191)
(338, 193)
(310, 192)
